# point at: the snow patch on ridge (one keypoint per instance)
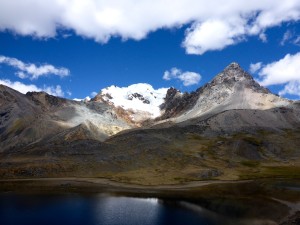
(86, 99)
(137, 97)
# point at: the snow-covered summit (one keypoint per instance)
(136, 97)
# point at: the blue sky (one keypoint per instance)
(83, 59)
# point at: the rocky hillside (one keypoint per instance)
(26, 119)
(233, 99)
(233, 88)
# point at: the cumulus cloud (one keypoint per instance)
(292, 88)
(188, 78)
(254, 67)
(212, 28)
(282, 72)
(32, 71)
(24, 88)
(213, 35)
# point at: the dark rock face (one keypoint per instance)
(54, 101)
(176, 103)
(44, 99)
(138, 96)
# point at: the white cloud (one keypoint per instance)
(24, 88)
(263, 37)
(32, 71)
(215, 24)
(188, 78)
(254, 67)
(292, 88)
(285, 71)
(57, 91)
(173, 73)
(213, 35)
(282, 71)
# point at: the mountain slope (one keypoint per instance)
(232, 89)
(29, 118)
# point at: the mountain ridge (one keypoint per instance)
(233, 88)
(215, 132)
(34, 116)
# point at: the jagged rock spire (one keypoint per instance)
(233, 65)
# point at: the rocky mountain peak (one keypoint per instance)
(172, 92)
(233, 65)
(234, 73)
(232, 83)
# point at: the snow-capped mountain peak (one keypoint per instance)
(139, 97)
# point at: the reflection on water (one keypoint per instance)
(112, 210)
(97, 209)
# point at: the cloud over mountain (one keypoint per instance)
(284, 71)
(32, 71)
(188, 78)
(211, 27)
(24, 88)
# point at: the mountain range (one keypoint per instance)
(231, 128)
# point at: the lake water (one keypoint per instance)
(98, 210)
(259, 203)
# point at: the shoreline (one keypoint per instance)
(108, 182)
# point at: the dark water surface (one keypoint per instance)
(16, 209)
(250, 203)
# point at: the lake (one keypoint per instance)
(17, 209)
(245, 203)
